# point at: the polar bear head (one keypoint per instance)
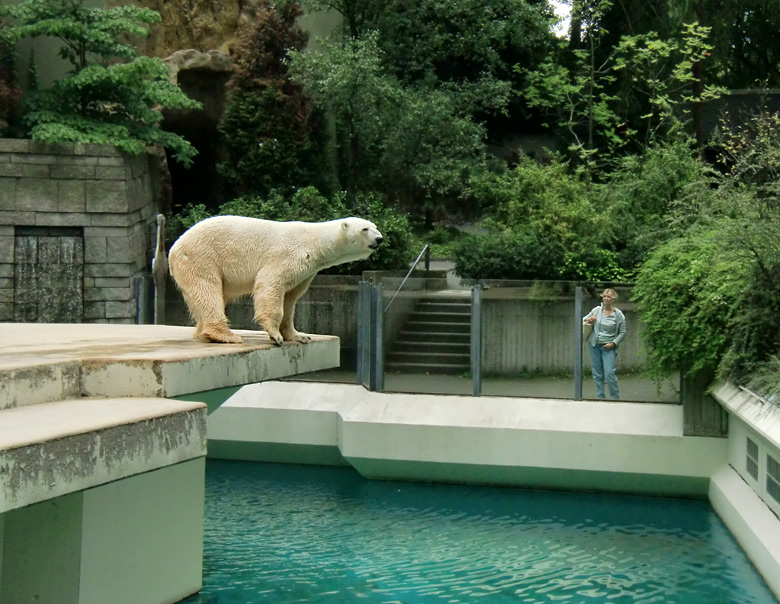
(358, 238)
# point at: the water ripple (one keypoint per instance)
(302, 534)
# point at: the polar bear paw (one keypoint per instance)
(220, 334)
(291, 335)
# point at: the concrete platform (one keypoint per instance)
(40, 363)
(53, 449)
(101, 471)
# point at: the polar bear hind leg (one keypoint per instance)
(286, 327)
(205, 300)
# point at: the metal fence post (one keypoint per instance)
(377, 365)
(578, 343)
(362, 334)
(476, 338)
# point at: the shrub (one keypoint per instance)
(688, 293)
(646, 189)
(711, 297)
(545, 223)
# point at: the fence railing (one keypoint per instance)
(411, 270)
(545, 329)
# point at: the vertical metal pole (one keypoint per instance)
(376, 364)
(379, 309)
(362, 328)
(578, 343)
(476, 338)
(160, 272)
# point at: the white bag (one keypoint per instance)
(587, 328)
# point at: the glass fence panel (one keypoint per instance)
(528, 344)
(427, 337)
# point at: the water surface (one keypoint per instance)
(286, 533)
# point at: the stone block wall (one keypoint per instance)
(110, 196)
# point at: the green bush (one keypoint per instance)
(688, 293)
(646, 189)
(755, 331)
(545, 223)
(710, 297)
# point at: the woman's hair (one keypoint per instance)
(610, 292)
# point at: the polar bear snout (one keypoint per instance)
(376, 243)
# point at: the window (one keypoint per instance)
(773, 477)
(751, 463)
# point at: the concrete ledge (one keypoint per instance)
(625, 447)
(761, 416)
(751, 522)
(58, 448)
(47, 362)
(282, 422)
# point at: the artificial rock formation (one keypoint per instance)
(199, 24)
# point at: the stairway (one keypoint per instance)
(436, 338)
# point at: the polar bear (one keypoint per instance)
(225, 257)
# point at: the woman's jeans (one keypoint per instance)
(602, 364)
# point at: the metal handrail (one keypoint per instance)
(414, 264)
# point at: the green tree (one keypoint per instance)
(274, 136)
(111, 95)
(413, 145)
(583, 97)
(465, 48)
(545, 223)
(645, 189)
(746, 51)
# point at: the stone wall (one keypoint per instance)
(105, 196)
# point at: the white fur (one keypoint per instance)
(225, 257)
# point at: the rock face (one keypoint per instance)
(199, 24)
(211, 62)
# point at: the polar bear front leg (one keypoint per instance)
(269, 304)
(287, 328)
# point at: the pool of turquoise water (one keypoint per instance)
(285, 533)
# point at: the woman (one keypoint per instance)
(609, 329)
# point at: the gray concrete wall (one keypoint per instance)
(110, 196)
(528, 334)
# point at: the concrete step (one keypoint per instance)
(429, 358)
(437, 368)
(444, 307)
(440, 317)
(435, 339)
(438, 327)
(61, 447)
(425, 337)
(440, 346)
